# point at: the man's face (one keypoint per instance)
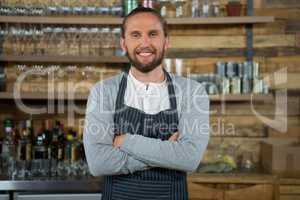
(144, 42)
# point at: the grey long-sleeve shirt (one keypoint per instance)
(139, 152)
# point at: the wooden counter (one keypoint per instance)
(241, 178)
(231, 186)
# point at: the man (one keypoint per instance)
(145, 128)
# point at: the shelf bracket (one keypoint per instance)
(249, 33)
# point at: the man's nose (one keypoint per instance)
(145, 41)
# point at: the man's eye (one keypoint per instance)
(135, 35)
(153, 34)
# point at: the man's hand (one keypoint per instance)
(118, 140)
(174, 137)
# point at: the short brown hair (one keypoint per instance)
(142, 9)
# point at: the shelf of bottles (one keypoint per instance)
(50, 152)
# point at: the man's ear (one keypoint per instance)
(122, 44)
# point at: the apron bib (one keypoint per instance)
(155, 183)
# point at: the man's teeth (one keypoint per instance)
(145, 54)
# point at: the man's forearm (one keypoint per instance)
(104, 159)
(185, 153)
(180, 155)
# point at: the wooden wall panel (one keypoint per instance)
(277, 27)
(281, 3)
(210, 42)
(279, 13)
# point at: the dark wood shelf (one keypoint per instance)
(99, 20)
(83, 97)
(64, 59)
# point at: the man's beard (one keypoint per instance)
(145, 68)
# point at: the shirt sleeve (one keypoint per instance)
(102, 157)
(184, 154)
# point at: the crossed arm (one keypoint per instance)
(107, 155)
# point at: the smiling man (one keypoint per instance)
(145, 128)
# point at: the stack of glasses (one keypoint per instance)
(60, 7)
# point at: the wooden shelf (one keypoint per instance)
(65, 59)
(98, 20)
(83, 97)
(241, 98)
(43, 96)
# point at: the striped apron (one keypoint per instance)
(155, 183)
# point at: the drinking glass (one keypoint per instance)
(19, 8)
(37, 8)
(40, 43)
(76, 7)
(45, 41)
(61, 41)
(14, 40)
(6, 34)
(52, 8)
(84, 41)
(73, 39)
(54, 41)
(12, 169)
(29, 40)
(92, 44)
(4, 7)
(21, 169)
(21, 68)
(36, 165)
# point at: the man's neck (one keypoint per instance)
(155, 76)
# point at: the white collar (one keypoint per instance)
(139, 84)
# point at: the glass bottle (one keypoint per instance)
(9, 146)
(40, 148)
(8, 155)
(2, 78)
(24, 143)
(68, 147)
(61, 140)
